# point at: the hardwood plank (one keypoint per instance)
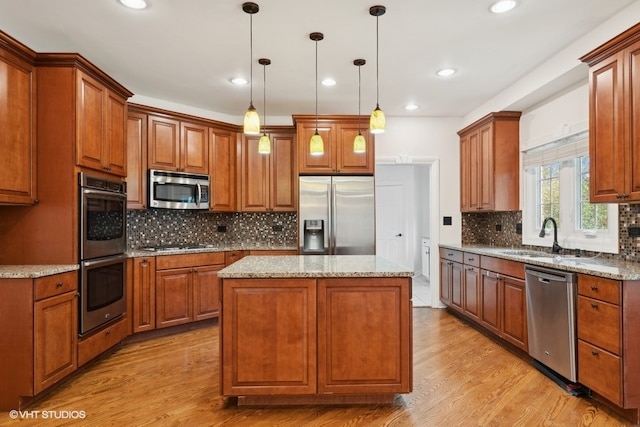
(461, 377)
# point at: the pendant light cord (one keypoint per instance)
(377, 67)
(359, 66)
(316, 86)
(251, 57)
(264, 99)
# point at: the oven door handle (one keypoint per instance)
(106, 194)
(104, 261)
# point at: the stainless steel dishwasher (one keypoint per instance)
(551, 319)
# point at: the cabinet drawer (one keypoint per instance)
(503, 266)
(599, 288)
(599, 323)
(452, 255)
(57, 284)
(472, 259)
(101, 341)
(601, 371)
(165, 262)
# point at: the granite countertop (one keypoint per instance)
(140, 252)
(313, 266)
(34, 271)
(596, 266)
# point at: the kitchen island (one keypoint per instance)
(315, 330)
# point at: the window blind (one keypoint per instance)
(568, 148)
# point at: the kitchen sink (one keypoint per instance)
(526, 253)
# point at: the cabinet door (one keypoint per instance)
(206, 292)
(144, 294)
(364, 335)
(472, 292)
(318, 164)
(457, 285)
(255, 176)
(17, 139)
(222, 165)
(445, 281)
(174, 297)
(514, 315)
(485, 167)
(232, 256)
(91, 125)
(164, 143)
(56, 332)
(465, 172)
(606, 130)
(283, 173)
(269, 336)
(115, 143)
(194, 148)
(348, 161)
(136, 161)
(490, 297)
(632, 57)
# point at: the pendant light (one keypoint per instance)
(316, 146)
(377, 123)
(264, 145)
(359, 143)
(251, 118)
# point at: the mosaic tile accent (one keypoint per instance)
(155, 227)
(482, 229)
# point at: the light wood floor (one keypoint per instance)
(461, 378)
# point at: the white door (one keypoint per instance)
(391, 224)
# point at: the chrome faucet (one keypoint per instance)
(556, 248)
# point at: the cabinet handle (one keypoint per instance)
(449, 253)
(108, 331)
(594, 288)
(594, 305)
(470, 259)
(59, 284)
(594, 353)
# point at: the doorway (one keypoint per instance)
(406, 208)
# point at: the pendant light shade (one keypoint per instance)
(251, 118)
(264, 144)
(316, 145)
(359, 143)
(378, 123)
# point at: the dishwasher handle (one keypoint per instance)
(546, 277)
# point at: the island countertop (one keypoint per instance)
(311, 266)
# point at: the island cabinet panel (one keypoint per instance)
(269, 337)
(370, 355)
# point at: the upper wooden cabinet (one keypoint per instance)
(18, 124)
(101, 127)
(338, 133)
(136, 160)
(614, 119)
(222, 166)
(269, 182)
(489, 163)
(177, 145)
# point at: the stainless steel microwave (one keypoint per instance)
(178, 190)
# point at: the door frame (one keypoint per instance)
(434, 215)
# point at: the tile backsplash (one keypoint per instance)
(154, 227)
(499, 229)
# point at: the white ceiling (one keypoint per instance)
(186, 51)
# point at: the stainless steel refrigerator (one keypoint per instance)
(336, 215)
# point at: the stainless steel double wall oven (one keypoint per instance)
(103, 246)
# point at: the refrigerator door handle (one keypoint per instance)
(332, 220)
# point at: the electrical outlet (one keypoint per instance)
(446, 220)
(276, 227)
(519, 228)
(634, 231)
(498, 227)
(222, 229)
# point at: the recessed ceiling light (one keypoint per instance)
(328, 82)
(134, 4)
(411, 107)
(502, 6)
(240, 81)
(446, 72)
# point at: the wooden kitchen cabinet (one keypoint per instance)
(489, 163)
(187, 287)
(18, 123)
(143, 294)
(177, 145)
(102, 121)
(338, 133)
(40, 347)
(451, 278)
(222, 161)
(136, 160)
(472, 287)
(614, 119)
(269, 182)
(232, 256)
(514, 312)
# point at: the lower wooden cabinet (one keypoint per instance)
(334, 336)
(102, 340)
(38, 346)
(143, 295)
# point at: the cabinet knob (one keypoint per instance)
(59, 284)
(594, 288)
(594, 353)
(108, 331)
(594, 305)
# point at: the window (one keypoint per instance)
(556, 184)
